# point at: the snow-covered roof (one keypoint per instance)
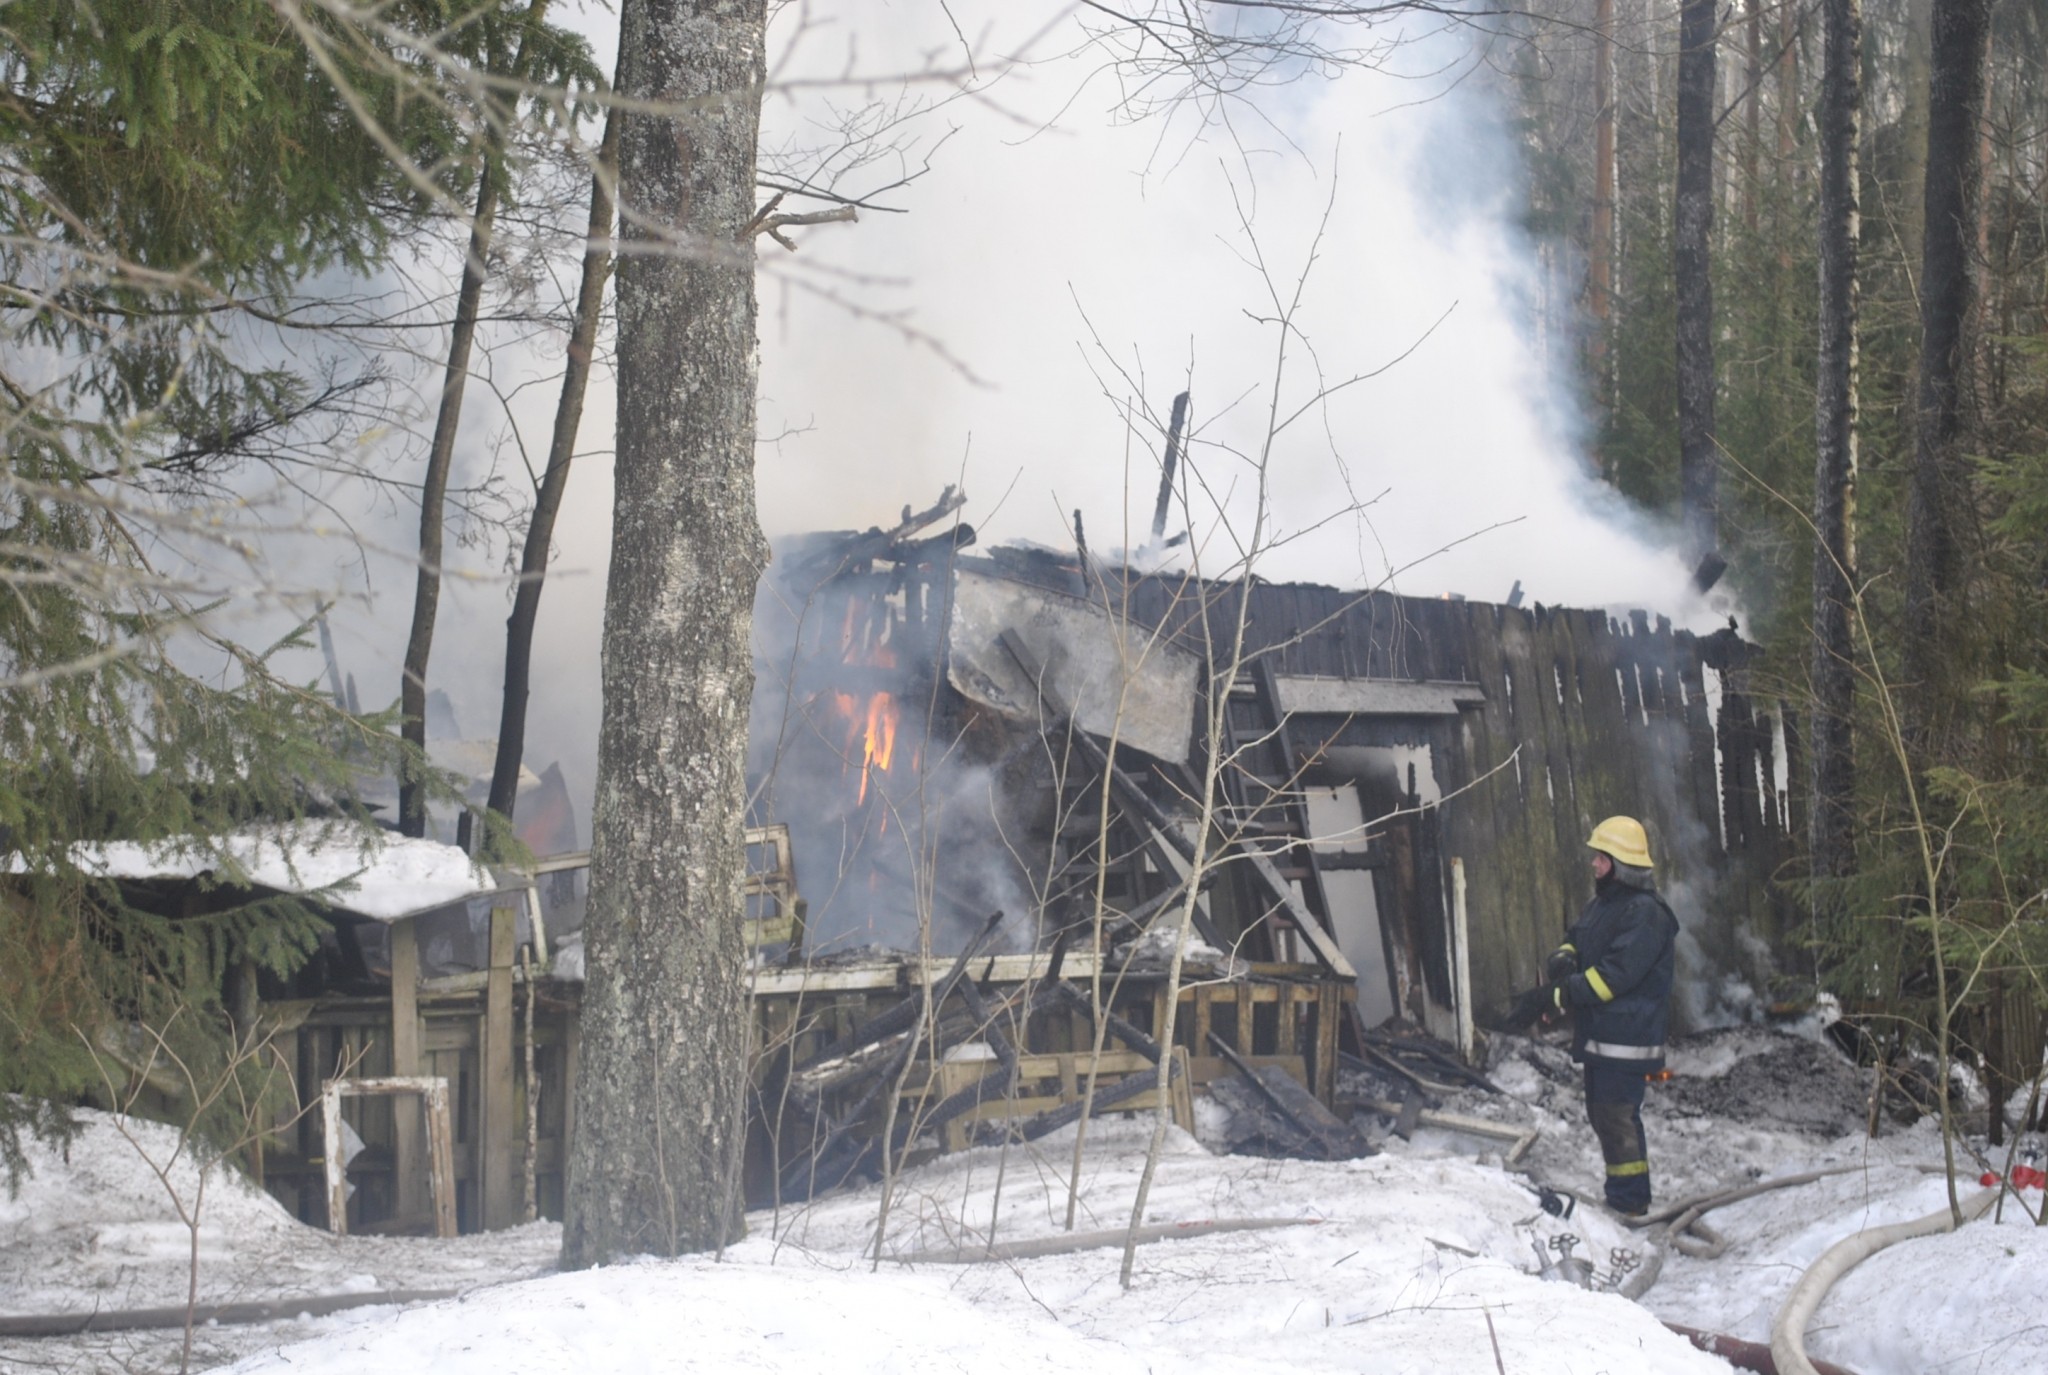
(371, 873)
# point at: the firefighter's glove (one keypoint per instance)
(1562, 964)
(1545, 1005)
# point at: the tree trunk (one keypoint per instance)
(1692, 271)
(1752, 111)
(1938, 502)
(554, 481)
(1829, 820)
(1787, 173)
(1600, 258)
(1904, 203)
(665, 1015)
(426, 597)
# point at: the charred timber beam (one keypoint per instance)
(1176, 427)
(1133, 797)
(1160, 833)
(857, 551)
(938, 549)
(1131, 1037)
(1322, 1131)
(1105, 1099)
(902, 1016)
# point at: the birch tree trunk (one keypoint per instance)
(665, 1024)
(1692, 271)
(1938, 501)
(1829, 834)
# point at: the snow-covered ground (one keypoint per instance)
(1419, 1259)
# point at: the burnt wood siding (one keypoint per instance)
(1632, 734)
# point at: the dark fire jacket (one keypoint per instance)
(1625, 945)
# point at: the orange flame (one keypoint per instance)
(883, 717)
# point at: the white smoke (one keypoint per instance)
(1070, 265)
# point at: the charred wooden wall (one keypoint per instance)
(1584, 717)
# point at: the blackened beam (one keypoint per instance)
(1304, 921)
(937, 549)
(1133, 797)
(903, 1015)
(825, 1165)
(877, 543)
(1175, 428)
(1439, 1057)
(1132, 1038)
(1173, 852)
(996, 1083)
(1262, 868)
(1335, 1139)
(1131, 1086)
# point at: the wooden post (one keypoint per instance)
(572, 1065)
(408, 1157)
(1461, 959)
(1329, 1012)
(500, 1193)
(337, 1181)
(441, 1146)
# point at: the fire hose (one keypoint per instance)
(1788, 1332)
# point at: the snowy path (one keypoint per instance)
(1412, 1256)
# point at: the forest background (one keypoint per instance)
(207, 202)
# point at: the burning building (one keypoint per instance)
(1000, 769)
(989, 786)
(1401, 786)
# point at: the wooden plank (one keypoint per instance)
(1207, 1069)
(441, 1145)
(1539, 895)
(1329, 1016)
(496, 1128)
(407, 1127)
(899, 974)
(1182, 1092)
(572, 1068)
(1461, 957)
(337, 1185)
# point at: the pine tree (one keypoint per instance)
(176, 169)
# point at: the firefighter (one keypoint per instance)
(1614, 972)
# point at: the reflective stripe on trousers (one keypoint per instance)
(1609, 1050)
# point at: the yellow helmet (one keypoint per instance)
(1623, 840)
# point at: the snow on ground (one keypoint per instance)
(98, 1231)
(1419, 1259)
(1750, 1104)
(1402, 1267)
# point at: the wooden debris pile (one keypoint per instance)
(838, 1108)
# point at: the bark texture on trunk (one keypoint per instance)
(1829, 819)
(1600, 257)
(554, 481)
(665, 1025)
(1938, 503)
(1752, 110)
(1693, 277)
